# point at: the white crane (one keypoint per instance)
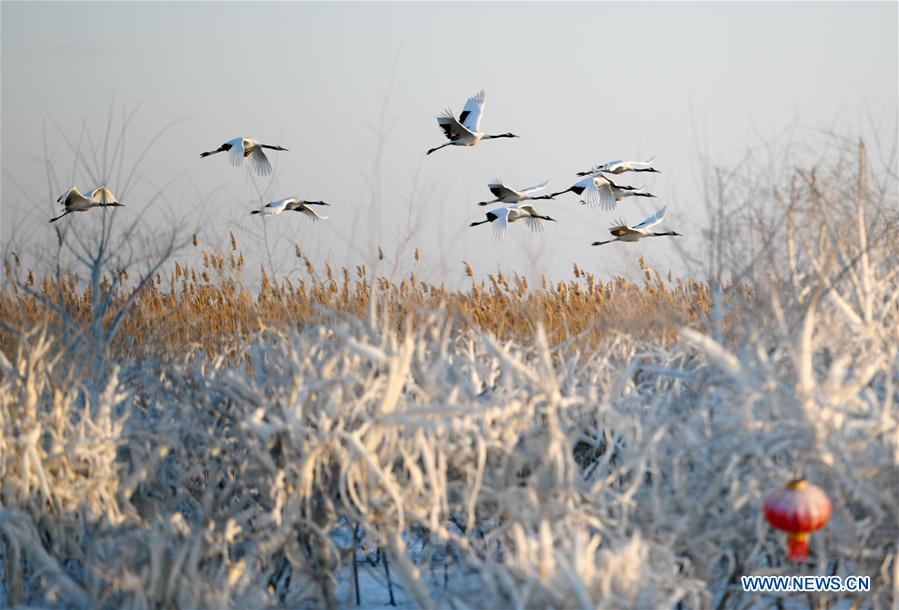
(619, 167)
(623, 191)
(464, 131)
(246, 147)
(505, 194)
(501, 217)
(601, 191)
(291, 204)
(624, 232)
(73, 201)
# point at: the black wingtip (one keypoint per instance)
(255, 212)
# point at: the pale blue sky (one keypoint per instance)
(580, 83)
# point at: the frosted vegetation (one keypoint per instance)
(486, 472)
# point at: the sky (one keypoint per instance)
(353, 89)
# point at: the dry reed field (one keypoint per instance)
(211, 307)
(176, 438)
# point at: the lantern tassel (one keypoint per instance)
(797, 547)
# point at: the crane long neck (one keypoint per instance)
(599, 243)
(500, 135)
(212, 152)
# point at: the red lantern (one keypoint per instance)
(798, 509)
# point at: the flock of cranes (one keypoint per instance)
(596, 189)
